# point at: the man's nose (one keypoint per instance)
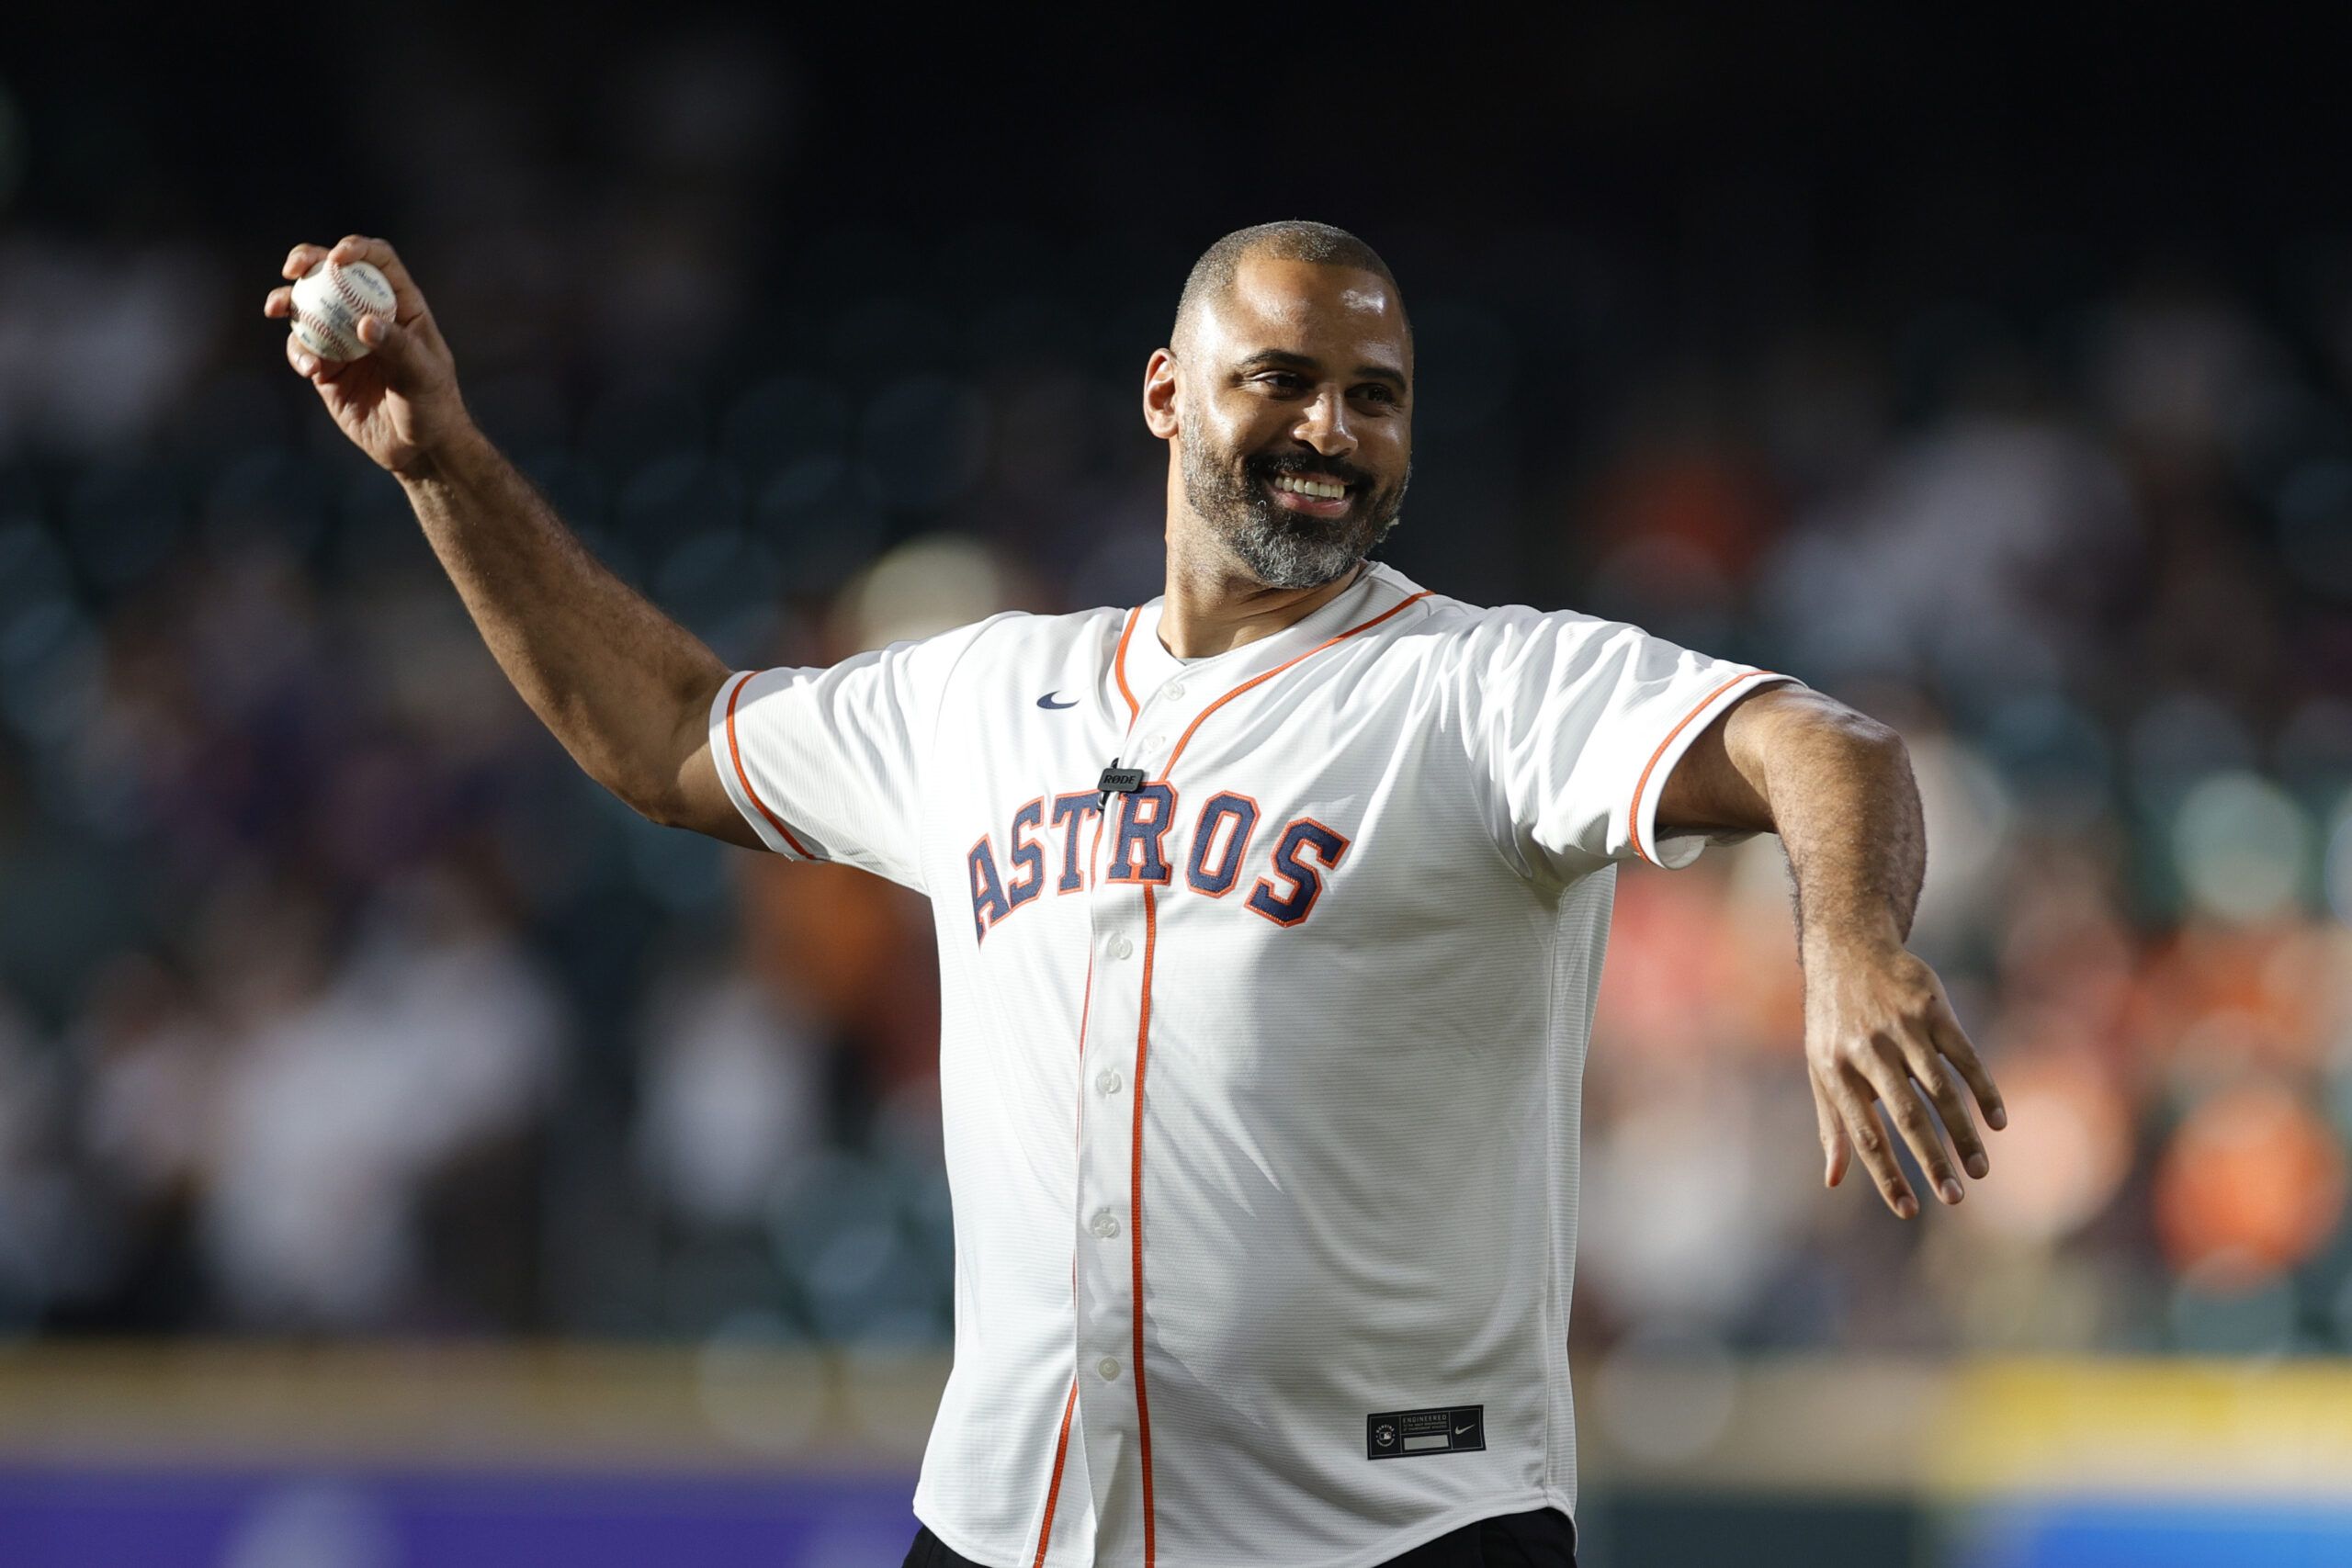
(1323, 424)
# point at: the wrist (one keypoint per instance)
(446, 460)
(1873, 935)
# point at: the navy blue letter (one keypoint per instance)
(1304, 836)
(1028, 855)
(1074, 809)
(1242, 812)
(1145, 817)
(987, 889)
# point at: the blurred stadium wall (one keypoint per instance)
(406, 1155)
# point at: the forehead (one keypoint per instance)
(1307, 307)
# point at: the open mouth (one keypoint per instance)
(1313, 494)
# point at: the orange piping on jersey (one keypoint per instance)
(1078, 1131)
(1119, 664)
(1185, 738)
(1135, 1217)
(1078, 1140)
(1634, 820)
(1061, 1447)
(1143, 1040)
(736, 752)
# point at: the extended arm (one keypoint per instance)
(626, 690)
(1837, 788)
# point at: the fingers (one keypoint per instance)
(397, 351)
(310, 366)
(1835, 1151)
(1927, 1070)
(1850, 1092)
(1954, 1043)
(408, 300)
(301, 259)
(304, 362)
(1907, 1109)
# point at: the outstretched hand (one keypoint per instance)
(399, 402)
(1879, 1030)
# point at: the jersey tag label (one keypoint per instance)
(1410, 1434)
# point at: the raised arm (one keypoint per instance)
(626, 690)
(1837, 788)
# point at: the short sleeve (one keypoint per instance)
(829, 763)
(1577, 723)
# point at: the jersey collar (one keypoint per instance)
(1149, 665)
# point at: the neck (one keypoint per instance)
(1213, 606)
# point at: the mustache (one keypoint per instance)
(1266, 465)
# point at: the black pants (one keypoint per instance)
(1544, 1538)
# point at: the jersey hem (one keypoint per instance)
(1369, 1557)
(958, 1543)
(725, 760)
(1679, 849)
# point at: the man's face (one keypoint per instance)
(1297, 384)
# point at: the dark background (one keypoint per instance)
(1989, 373)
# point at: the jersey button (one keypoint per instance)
(1108, 1368)
(1106, 1224)
(1154, 742)
(1107, 1081)
(1119, 946)
(1173, 690)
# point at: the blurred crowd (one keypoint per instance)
(334, 1001)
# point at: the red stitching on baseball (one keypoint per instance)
(330, 334)
(335, 271)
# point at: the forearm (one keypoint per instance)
(622, 686)
(1841, 794)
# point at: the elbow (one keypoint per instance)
(665, 804)
(1855, 730)
(662, 811)
(1875, 750)
(1881, 740)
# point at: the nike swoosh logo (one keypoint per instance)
(1047, 702)
(1459, 1430)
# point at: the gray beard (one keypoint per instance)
(1281, 548)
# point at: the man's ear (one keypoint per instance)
(1160, 394)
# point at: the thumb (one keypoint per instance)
(396, 347)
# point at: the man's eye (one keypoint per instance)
(1282, 379)
(1377, 393)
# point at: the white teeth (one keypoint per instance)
(1310, 487)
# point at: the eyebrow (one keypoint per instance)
(1288, 361)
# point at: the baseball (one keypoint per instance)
(330, 299)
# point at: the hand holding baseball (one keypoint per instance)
(396, 396)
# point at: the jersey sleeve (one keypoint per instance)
(830, 763)
(1576, 725)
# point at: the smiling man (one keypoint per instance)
(1269, 915)
(1261, 315)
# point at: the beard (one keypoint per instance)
(1282, 548)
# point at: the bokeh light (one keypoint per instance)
(2249, 1185)
(2242, 846)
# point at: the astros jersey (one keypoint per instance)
(1260, 1074)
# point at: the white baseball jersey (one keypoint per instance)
(1261, 1085)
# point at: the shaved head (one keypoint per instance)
(1293, 239)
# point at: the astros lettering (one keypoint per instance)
(1214, 851)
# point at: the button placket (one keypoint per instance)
(1101, 1267)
